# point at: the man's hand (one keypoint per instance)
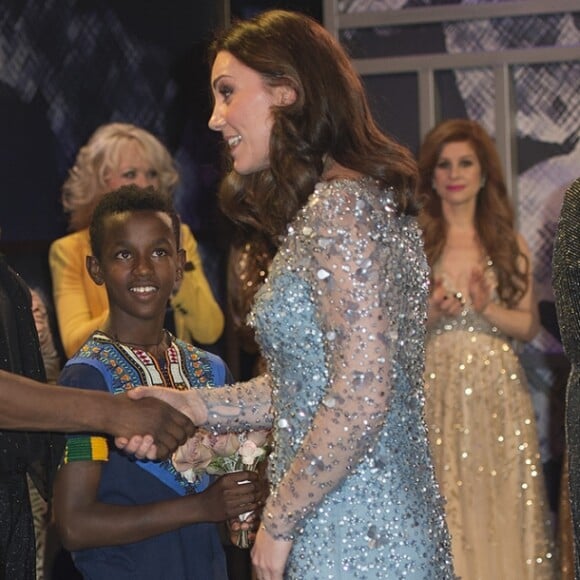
(149, 427)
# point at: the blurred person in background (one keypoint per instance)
(118, 154)
(478, 409)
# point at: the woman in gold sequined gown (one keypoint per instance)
(478, 410)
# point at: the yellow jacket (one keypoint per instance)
(82, 306)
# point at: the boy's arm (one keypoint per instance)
(84, 522)
(28, 405)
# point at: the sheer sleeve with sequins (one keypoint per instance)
(338, 251)
(238, 407)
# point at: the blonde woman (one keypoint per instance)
(118, 154)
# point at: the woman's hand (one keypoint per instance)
(479, 290)
(444, 303)
(188, 402)
(148, 428)
(269, 556)
(141, 446)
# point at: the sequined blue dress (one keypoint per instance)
(341, 322)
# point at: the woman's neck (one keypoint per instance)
(460, 217)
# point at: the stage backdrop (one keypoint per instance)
(67, 67)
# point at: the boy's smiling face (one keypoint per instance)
(139, 265)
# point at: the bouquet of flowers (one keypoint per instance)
(206, 452)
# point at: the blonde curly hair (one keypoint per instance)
(86, 182)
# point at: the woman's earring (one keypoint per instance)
(483, 181)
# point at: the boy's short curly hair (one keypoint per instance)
(129, 198)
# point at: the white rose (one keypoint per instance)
(249, 452)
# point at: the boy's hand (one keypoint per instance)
(149, 427)
(251, 523)
(234, 494)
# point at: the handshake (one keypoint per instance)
(166, 418)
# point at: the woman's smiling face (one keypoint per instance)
(242, 112)
(457, 176)
(132, 166)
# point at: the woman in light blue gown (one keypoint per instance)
(340, 318)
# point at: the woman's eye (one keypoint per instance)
(466, 163)
(160, 252)
(225, 91)
(442, 165)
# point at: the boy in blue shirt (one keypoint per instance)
(120, 517)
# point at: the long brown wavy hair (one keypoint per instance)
(330, 118)
(494, 215)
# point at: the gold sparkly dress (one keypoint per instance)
(485, 450)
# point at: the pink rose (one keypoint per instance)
(194, 454)
(258, 437)
(226, 444)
